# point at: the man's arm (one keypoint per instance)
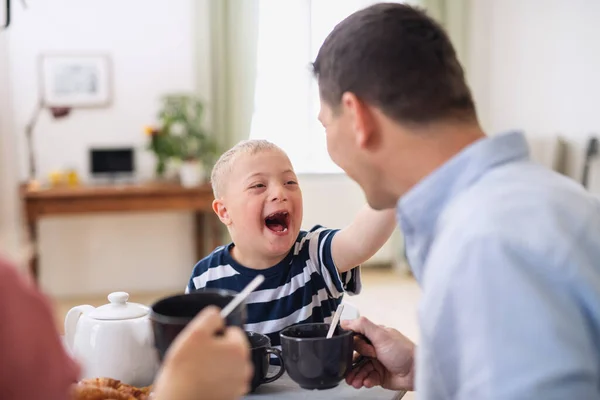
(360, 240)
(506, 323)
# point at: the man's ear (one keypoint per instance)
(361, 119)
(218, 206)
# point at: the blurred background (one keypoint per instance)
(111, 113)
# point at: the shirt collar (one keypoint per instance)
(419, 209)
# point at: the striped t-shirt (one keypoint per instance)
(304, 287)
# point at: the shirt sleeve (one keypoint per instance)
(33, 361)
(320, 240)
(509, 325)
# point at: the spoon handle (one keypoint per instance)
(242, 296)
(335, 320)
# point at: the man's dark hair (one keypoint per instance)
(395, 57)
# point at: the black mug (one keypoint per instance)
(313, 361)
(170, 315)
(261, 352)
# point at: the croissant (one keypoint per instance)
(108, 389)
(102, 382)
(91, 392)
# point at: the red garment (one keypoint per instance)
(33, 361)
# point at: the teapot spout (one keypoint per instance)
(71, 323)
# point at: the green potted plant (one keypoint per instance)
(181, 137)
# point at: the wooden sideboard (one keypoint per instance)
(40, 203)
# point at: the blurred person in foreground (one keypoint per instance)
(34, 364)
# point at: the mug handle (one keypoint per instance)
(361, 360)
(363, 337)
(276, 353)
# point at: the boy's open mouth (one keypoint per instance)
(278, 221)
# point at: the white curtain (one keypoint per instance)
(232, 61)
(283, 105)
(454, 15)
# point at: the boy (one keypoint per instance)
(258, 198)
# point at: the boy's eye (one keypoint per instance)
(257, 185)
(291, 183)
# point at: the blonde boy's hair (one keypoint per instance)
(225, 163)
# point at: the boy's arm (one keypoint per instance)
(360, 240)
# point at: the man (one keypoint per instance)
(506, 251)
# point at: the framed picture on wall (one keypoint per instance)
(75, 81)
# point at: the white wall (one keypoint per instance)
(535, 67)
(151, 44)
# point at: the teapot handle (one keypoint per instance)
(71, 323)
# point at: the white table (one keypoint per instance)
(286, 388)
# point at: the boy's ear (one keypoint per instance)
(220, 209)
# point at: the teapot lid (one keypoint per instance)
(119, 308)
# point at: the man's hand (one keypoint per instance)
(200, 364)
(392, 357)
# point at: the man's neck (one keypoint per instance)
(426, 150)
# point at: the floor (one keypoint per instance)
(389, 298)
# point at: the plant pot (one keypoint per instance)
(191, 174)
(167, 170)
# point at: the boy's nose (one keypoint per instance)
(278, 194)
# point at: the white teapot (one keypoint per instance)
(113, 341)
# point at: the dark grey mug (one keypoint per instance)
(313, 361)
(260, 346)
(170, 315)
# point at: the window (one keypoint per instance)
(286, 103)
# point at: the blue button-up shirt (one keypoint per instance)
(507, 253)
